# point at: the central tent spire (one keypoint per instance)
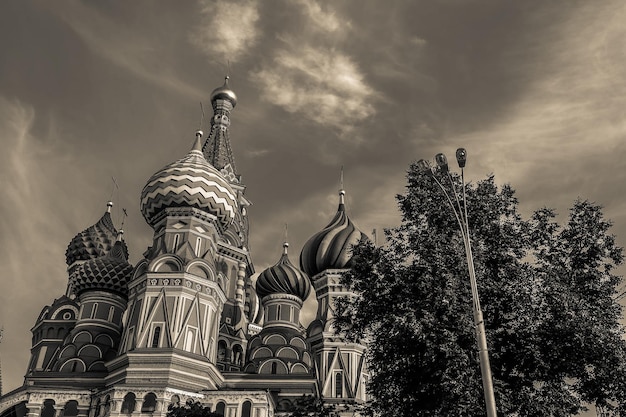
(217, 148)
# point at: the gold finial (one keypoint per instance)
(342, 192)
(285, 244)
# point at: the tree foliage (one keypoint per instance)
(191, 409)
(311, 406)
(548, 298)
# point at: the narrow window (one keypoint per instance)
(198, 246)
(111, 312)
(176, 238)
(246, 408)
(278, 312)
(274, 367)
(220, 408)
(189, 341)
(156, 337)
(338, 385)
(94, 309)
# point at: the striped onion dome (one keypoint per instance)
(189, 182)
(108, 273)
(283, 278)
(95, 241)
(331, 247)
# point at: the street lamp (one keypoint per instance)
(459, 207)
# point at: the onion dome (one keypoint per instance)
(108, 273)
(189, 182)
(224, 93)
(331, 247)
(283, 278)
(95, 241)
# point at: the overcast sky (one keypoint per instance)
(535, 90)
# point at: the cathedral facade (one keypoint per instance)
(187, 322)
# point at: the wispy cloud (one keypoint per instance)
(322, 19)
(309, 74)
(121, 45)
(226, 29)
(320, 84)
(28, 165)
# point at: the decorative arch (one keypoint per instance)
(90, 351)
(201, 268)
(231, 237)
(166, 263)
(73, 365)
(298, 342)
(275, 339)
(298, 368)
(306, 358)
(273, 367)
(262, 352)
(63, 309)
(82, 337)
(287, 352)
(104, 340)
(68, 351)
(140, 269)
(97, 366)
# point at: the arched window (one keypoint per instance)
(149, 403)
(97, 410)
(48, 409)
(189, 345)
(175, 400)
(246, 409)
(156, 337)
(107, 405)
(220, 408)
(338, 385)
(221, 351)
(129, 403)
(70, 409)
(238, 355)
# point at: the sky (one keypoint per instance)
(535, 90)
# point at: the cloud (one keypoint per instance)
(321, 19)
(227, 29)
(320, 84)
(142, 56)
(29, 222)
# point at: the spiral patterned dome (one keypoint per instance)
(331, 247)
(283, 278)
(95, 241)
(108, 273)
(224, 93)
(189, 182)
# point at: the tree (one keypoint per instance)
(191, 409)
(548, 298)
(311, 406)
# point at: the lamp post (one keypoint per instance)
(459, 207)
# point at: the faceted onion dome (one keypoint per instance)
(109, 273)
(283, 278)
(95, 241)
(189, 182)
(331, 248)
(224, 93)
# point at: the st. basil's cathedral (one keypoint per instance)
(187, 322)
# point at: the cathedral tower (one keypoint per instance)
(326, 256)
